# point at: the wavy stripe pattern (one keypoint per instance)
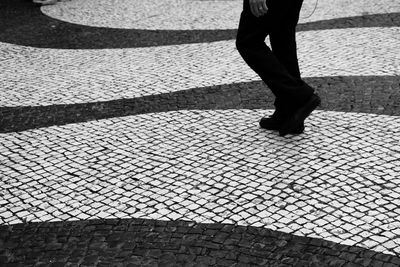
(46, 76)
(195, 15)
(338, 181)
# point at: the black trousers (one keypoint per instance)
(278, 68)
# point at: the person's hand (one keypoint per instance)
(258, 7)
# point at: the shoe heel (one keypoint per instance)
(303, 113)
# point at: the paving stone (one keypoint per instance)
(195, 14)
(336, 182)
(146, 81)
(276, 215)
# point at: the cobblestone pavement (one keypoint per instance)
(147, 152)
(80, 76)
(196, 14)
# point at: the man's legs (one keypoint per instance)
(282, 36)
(285, 17)
(285, 14)
(277, 68)
(251, 45)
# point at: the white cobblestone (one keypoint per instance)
(192, 14)
(109, 74)
(326, 210)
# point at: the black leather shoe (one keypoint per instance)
(275, 123)
(296, 119)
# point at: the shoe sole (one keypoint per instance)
(298, 130)
(301, 114)
(276, 127)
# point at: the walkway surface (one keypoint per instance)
(129, 137)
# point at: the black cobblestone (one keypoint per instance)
(24, 24)
(371, 94)
(139, 242)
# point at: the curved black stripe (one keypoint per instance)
(23, 23)
(365, 21)
(371, 94)
(138, 242)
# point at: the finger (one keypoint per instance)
(255, 12)
(254, 9)
(264, 6)
(260, 10)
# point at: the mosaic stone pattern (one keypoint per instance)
(339, 181)
(196, 14)
(80, 76)
(147, 151)
(372, 94)
(130, 242)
